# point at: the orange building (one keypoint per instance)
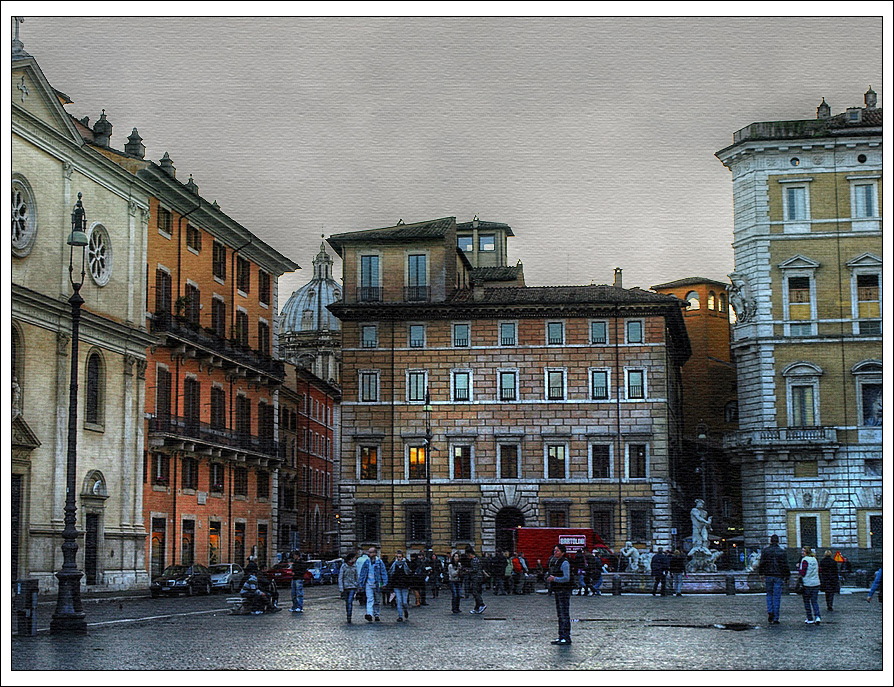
(212, 449)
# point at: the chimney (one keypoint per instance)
(191, 186)
(475, 222)
(102, 131)
(134, 145)
(870, 98)
(617, 283)
(823, 111)
(167, 166)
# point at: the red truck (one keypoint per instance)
(537, 543)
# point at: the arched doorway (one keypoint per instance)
(506, 520)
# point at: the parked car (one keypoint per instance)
(330, 571)
(227, 576)
(182, 579)
(281, 574)
(315, 571)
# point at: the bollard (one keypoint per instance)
(616, 585)
(26, 607)
(730, 585)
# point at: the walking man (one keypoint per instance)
(774, 569)
(560, 583)
(299, 567)
(476, 568)
(373, 577)
(660, 565)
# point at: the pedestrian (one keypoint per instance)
(876, 586)
(829, 581)
(560, 583)
(580, 570)
(417, 582)
(523, 576)
(594, 572)
(436, 571)
(518, 574)
(808, 569)
(373, 577)
(678, 570)
(399, 576)
(476, 574)
(774, 569)
(454, 577)
(299, 568)
(466, 561)
(660, 565)
(348, 576)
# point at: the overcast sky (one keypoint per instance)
(593, 138)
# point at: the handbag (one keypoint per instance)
(799, 585)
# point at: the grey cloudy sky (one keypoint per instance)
(594, 138)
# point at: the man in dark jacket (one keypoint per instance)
(476, 568)
(774, 568)
(299, 568)
(660, 566)
(560, 583)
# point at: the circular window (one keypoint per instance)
(861, 158)
(794, 162)
(24, 218)
(99, 255)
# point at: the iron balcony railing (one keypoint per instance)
(416, 293)
(370, 294)
(781, 437)
(189, 428)
(164, 322)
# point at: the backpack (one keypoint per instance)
(516, 565)
(509, 569)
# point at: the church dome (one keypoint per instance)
(306, 310)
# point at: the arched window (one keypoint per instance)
(712, 299)
(95, 383)
(722, 305)
(694, 303)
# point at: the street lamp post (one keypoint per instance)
(428, 437)
(69, 616)
(702, 448)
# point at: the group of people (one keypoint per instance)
(664, 566)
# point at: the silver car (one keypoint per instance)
(226, 576)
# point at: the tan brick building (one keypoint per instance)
(808, 339)
(554, 406)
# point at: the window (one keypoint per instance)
(638, 518)
(634, 331)
(712, 300)
(598, 332)
(461, 464)
(557, 516)
(95, 387)
(369, 278)
(461, 385)
(508, 456)
(417, 524)
(219, 260)
(165, 222)
(721, 307)
(217, 478)
(99, 255)
(367, 523)
(599, 385)
(193, 304)
(507, 333)
(240, 481)
(263, 287)
(417, 278)
(637, 461)
(636, 384)
(600, 461)
(463, 524)
(417, 335)
(188, 542)
(869, 378)
(796, 208)
(264, 338)
(875, 531)
(555, 385)
(465, 243)
(218, 408)
(416, 455)
(162, 395)
(243, 418)
(693, 300)
(163, 296)
(508, 385)
(369, 387)
(192, 403)
(555, 333)
(243, 274)
(868, 303)
(731, 412)
(190, 474)
(416, 386)
(369, 336)
(160, 469)
(863, 203)
(556, 465)
(603, 522)
(193, 238)
(219, 317)
(487, 242)
(263, 478)
(24, 217)
(808, 531)
(241, 328)
(369, 462)
(460, 335)
(802, 406)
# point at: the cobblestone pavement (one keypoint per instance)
(629, 632)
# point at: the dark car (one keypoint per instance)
(182, 579)
(330, 571)
(281, 574)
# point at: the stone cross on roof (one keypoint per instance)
(17, 45)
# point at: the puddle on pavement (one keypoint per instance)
(735, 627)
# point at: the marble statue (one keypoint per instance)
(700, 522)
(754, 561)
(631, 555)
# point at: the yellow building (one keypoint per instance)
(807, 291)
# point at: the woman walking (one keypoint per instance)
(455, 578)
(829, 581)
(347, 583)
(399, 575)
(809, 571)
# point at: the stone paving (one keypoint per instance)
(629, 632)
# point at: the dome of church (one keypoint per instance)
(306, 310)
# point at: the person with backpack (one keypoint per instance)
(519, 569)
(400, 577)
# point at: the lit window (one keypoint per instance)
(712, 298)
(462, 462)
(556, 465)
(693, 300)
(369, 462)
(417, 462)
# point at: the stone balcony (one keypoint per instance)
(782, 438)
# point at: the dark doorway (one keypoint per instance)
(15, 508)
(91, 548)
(506, 521)
(157, 555)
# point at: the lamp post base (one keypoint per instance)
(69, 617)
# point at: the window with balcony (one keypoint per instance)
(634, 331)
(193, 304)
(508, 385)
(600, 461)
(508, 333)
(369, 337)
(636, 384)
(461, 465)
(556, 463)
(243, 418)
(162, 395)
(555, 385)
(218, 408)
(219, 260)
(417, 278)
(461, 335)
(370, 289)
(555, 333)
(599, 385)
(192, 404)
(599, 332)
(416, 385)
(243, 274)
(416, 462)
(369, 463)
(416, 335)
(803, 410)
(461, 385)
(508, 456)
(637, 461)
